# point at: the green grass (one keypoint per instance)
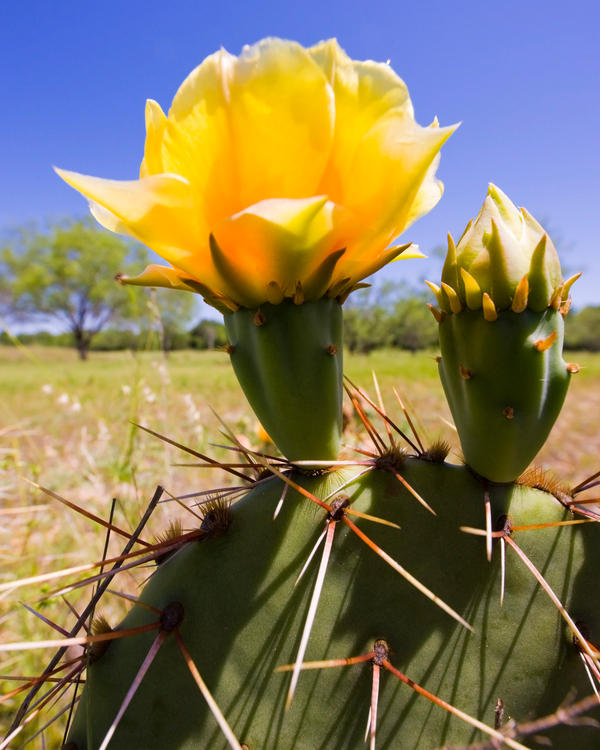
(66, 424)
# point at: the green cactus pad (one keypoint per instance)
(504, 388)
(288, 360)
(243, 617)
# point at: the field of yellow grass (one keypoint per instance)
(68, 426)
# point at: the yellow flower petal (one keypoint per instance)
(245, 129)
(161, 276)
(279, 240)
(174, 278)
(158, 210)
(196, 141)
(152, 163)
(389, 168)
(364, 92)
(282, 117)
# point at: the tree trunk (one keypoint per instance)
(82, 342)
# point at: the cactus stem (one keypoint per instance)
(149, 658)
(380, 658)
(451, 709)
(519, 302)
(489, 308)
(553, 597)
(406, 575)
(453, 298)
(543, 345)
(439, 315)
(312, 609)
(206, 694)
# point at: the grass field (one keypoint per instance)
(67, 425)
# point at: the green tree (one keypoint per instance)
(412, 324)
(170, 314)
(582, 329)
(208, 334)
(67, 273)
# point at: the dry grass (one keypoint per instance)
(66, 425)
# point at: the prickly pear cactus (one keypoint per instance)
(242, 617)
(392, 597)
(423, 601)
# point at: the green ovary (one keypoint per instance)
(288, 360)
(504, 388)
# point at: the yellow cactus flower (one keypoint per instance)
(284, 172)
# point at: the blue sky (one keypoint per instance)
(522, 77)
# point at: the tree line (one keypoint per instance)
(64, 272)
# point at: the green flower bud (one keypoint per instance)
(502, 300)
(504, 254)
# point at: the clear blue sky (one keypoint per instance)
(523, 77)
